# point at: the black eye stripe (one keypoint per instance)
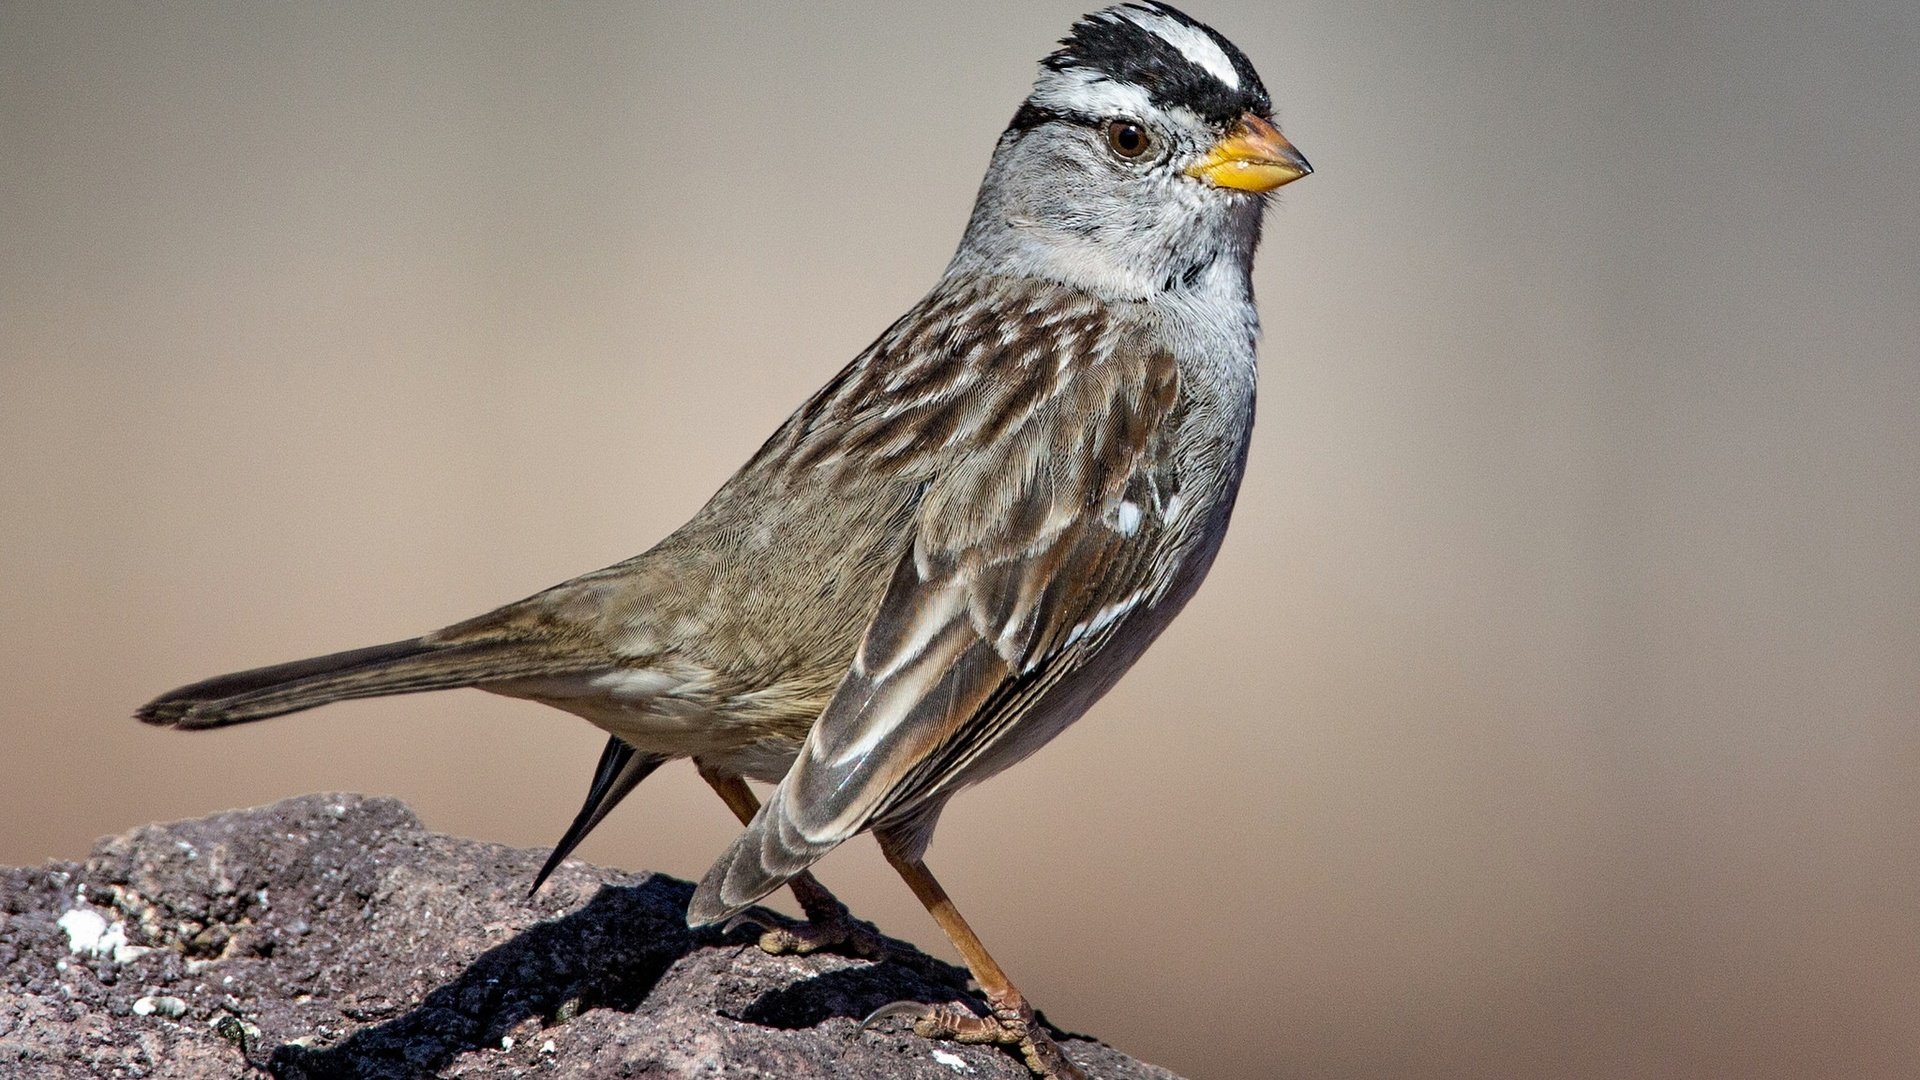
(1032, 116)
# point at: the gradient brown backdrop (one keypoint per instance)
(1550, 713)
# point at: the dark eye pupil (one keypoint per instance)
(1127, 140)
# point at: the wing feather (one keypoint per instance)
(1027, 552)
(1019, 570)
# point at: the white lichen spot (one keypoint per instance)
(167, 1006)
(84, 927)
(547, 1047)
(506, 1042)
(88, 932)
(952, 1061)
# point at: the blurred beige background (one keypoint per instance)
(1550, 713)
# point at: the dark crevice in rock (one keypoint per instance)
(608, 955)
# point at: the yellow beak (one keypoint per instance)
(1253, 157)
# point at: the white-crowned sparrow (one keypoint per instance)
(959, 543)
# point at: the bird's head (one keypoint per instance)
(1139, 163)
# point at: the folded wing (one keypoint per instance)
(1026, 557)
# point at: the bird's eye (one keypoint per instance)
(1128, 139)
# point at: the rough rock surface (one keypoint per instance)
(331, 935)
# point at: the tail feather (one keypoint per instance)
(620, 770)
(402, 667)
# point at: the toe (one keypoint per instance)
(847, 936)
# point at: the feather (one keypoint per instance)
(620, 771)
(402, 667)
(1016, 575)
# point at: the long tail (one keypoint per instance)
(403, 667)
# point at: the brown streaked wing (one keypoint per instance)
(1019, 570)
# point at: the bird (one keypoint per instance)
(955, 547)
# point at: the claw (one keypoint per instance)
(899, 1010)
(745, 918)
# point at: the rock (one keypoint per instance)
(332, 935)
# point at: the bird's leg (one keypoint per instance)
(829, 925)
(1011, 1022)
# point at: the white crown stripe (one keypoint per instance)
(1192, 42)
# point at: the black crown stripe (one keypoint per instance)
(1118, 48)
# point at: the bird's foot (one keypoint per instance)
(837, 932)
(1012, 1026)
